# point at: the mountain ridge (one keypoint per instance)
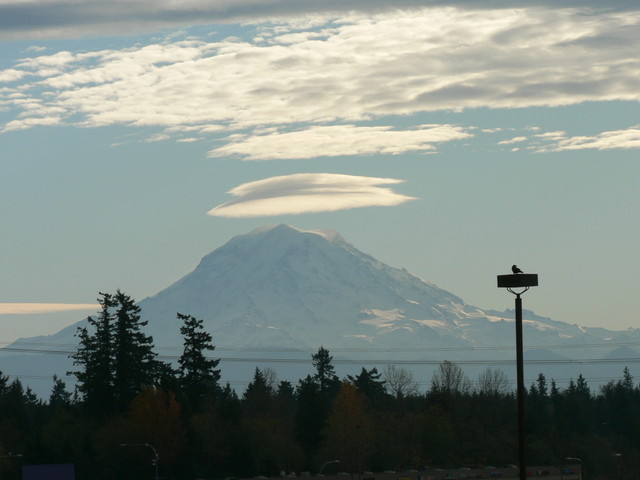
(287, 289)
(308, 269)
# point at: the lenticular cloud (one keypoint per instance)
(308, 193)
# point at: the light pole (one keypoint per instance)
(519, 281)
(325, 464)
(156, 457)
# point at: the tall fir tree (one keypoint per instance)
(198, 375)
(325, 375)
(116, 361)
(94, 357)
(135, 364)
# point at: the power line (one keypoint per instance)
(365, 349)
(370, 361)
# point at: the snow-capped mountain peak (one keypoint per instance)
(283, 288)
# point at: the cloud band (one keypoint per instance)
(308, 193)
(35, 308)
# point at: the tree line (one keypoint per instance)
(128, 406)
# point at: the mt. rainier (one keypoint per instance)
(282, 289)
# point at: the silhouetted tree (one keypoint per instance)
(310, 416)
(218, 443)
(94, 357)
(198, 374)
(268, 429)
(554, 392)
(135, 364)
(542, 385)
(116, 360)
(493, 382)
(399, 381)
(259, 395)
(325, 375)
(370, 383)
(449, 379)
(59, 397)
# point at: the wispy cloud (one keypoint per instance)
(33, 308)
(334, 71)
(339, 140)
(622, 139)
(308, 193)
(513, 140)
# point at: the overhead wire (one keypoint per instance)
(69, 349)
(363, 349)
(366, 361)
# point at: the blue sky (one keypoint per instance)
(449, 138)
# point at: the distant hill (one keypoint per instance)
(273, 296)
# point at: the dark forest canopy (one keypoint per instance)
(371, 421)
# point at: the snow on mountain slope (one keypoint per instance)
(291, 288)
(281, 289)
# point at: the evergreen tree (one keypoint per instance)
(95, 359)
(198, 375)
(286, 402)
(311, 413)
(325, 375)
(582, 388)
(627, 380)
(258, 396)
(285, 390)
(116, 361)
(369, 382)
(542, 385)
(267, 428)
(315, 400)
(228, 394)
(554, 389)
(59, 397)
(135, 365)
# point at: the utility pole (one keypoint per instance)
(523, 281)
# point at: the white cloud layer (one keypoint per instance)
(33, 308)
(308, 193)
(324, 71)
(72, 18)
(338, 140)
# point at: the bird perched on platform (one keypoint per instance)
(515, 269)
